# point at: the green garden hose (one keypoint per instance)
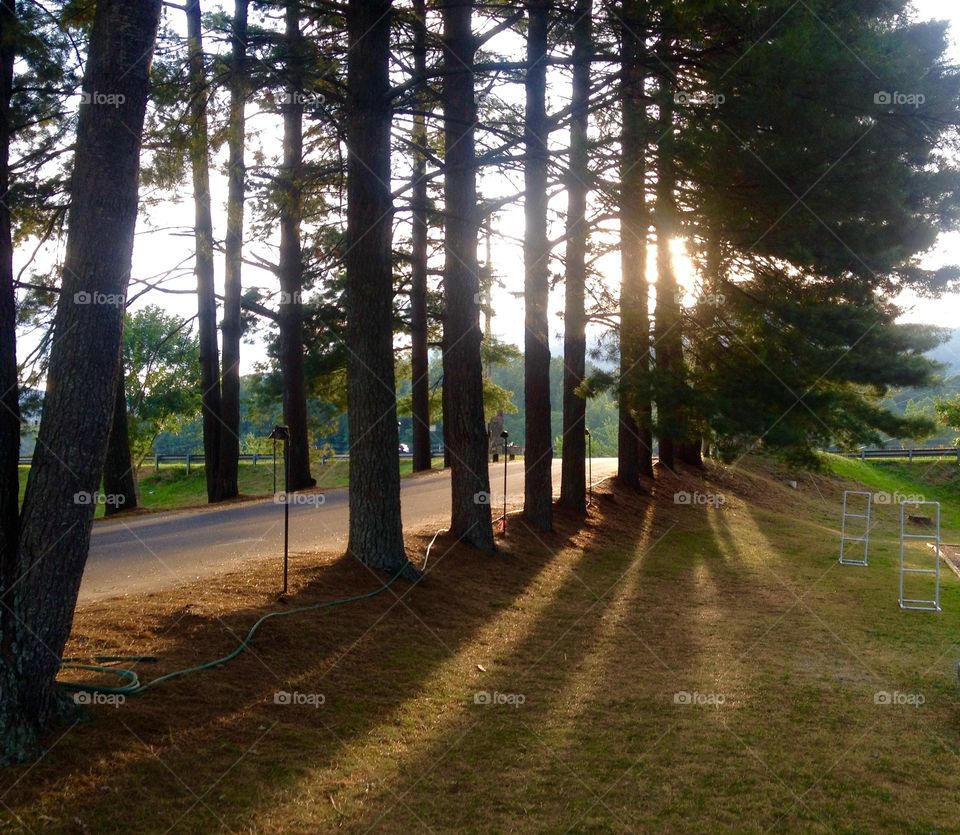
(133, 685)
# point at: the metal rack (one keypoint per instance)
(920, 604)
(846, 537)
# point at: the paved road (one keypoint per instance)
(150, 553)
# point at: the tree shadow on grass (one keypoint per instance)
(542, 732)
(206, 751)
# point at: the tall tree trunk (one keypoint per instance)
(420, 355)
(464, 424)
(119, 476)
(668, 336)
(538, 454)
(203, 242)
(290, 318)
(40, 593)
(376, 533)
(229, 460)
(9, 385)
(573, 493)
(635, 437)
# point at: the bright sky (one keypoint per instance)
(945, 311)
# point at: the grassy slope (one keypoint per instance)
(598, 628)
(935, 481)
(172, 488)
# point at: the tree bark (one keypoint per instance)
(466, 430)
(420, 354)
(634, 436)
(668, 335)
(40, 593)
(9, 383)
(573, 493)
(290, 318)
(376, 533)
(119, 475)
(229, 459)
(538, 453)
(204, 268)
(17, 733)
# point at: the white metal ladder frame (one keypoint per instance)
(912, 603)
(845, 538)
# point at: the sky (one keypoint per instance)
(946, 311)
(163, 242)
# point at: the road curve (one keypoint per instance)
(160, 551)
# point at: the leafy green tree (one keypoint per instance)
(949, 413)
(161, 358)
(801, 245)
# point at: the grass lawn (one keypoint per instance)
(934, 481)
(172, 488)
(666, 667)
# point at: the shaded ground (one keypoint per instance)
(694, 661)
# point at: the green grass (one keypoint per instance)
(936, 481)
(601, 628)
(171, 487)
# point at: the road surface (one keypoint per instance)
(160, 551)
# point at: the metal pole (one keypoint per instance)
(589, 466)
(286, 510)
(504, 435)
(282, 433)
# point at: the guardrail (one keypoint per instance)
(199, 458)
(909, 454)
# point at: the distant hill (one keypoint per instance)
(949, 353)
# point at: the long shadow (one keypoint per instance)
(370, 661)
(552, 669)
(639, 743)
(364, 661)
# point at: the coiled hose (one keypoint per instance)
(133, 686)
